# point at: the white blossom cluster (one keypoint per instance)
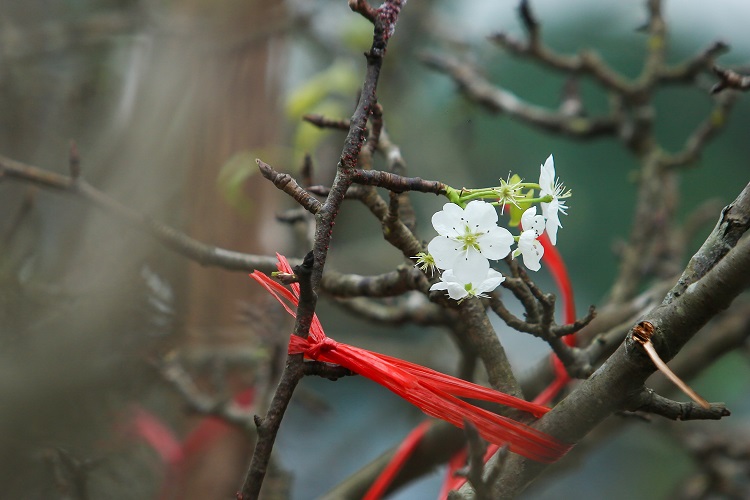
(468, 238)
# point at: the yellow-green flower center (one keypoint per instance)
(469, 239)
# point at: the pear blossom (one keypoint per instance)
(551, 186)
(528, 246)
(425, 262)
(460, 288)
(508, 192)
(468, 238)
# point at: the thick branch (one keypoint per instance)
(476, 329)
(624, 374)
(732, 224)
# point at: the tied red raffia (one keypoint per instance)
(434, 393)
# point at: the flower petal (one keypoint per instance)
(456, 291)
(531, 250)
(471, 268)
(447, 222)
(530, 221)
(496, 243)
(553, 219)
(480, 215)
(547, 177)
(445, 251)
(492, 281)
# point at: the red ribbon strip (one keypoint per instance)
(434, 393)
(402, 454)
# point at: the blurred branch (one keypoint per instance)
(321, 121)
(206, 255)
(440, 442)
(706, 131)
(475, 473)
(722, 460)
(729, 79)
(687, 71)
(19, 42)
(412, 311)
(338, 284)
(199, 401)
(71, 474)
(587, 62)
(656, 29)
(495, 99)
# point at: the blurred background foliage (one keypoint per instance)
(171, 101)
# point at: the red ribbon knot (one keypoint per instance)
(311, 347)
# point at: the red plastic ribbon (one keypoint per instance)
(402, 454)
(434, 393)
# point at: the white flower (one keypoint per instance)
(425, 262)
(468, 237)
(508, 192)
(550, 186)
(458, 288)
(528, 246)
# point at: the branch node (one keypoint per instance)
(642, 333)
(729, 79)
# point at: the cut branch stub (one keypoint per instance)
(642, 333)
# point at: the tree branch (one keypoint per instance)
(286, 183)
(729, 79)
(310, 273)
(648, 401)
(206, 255)
(498, 100)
